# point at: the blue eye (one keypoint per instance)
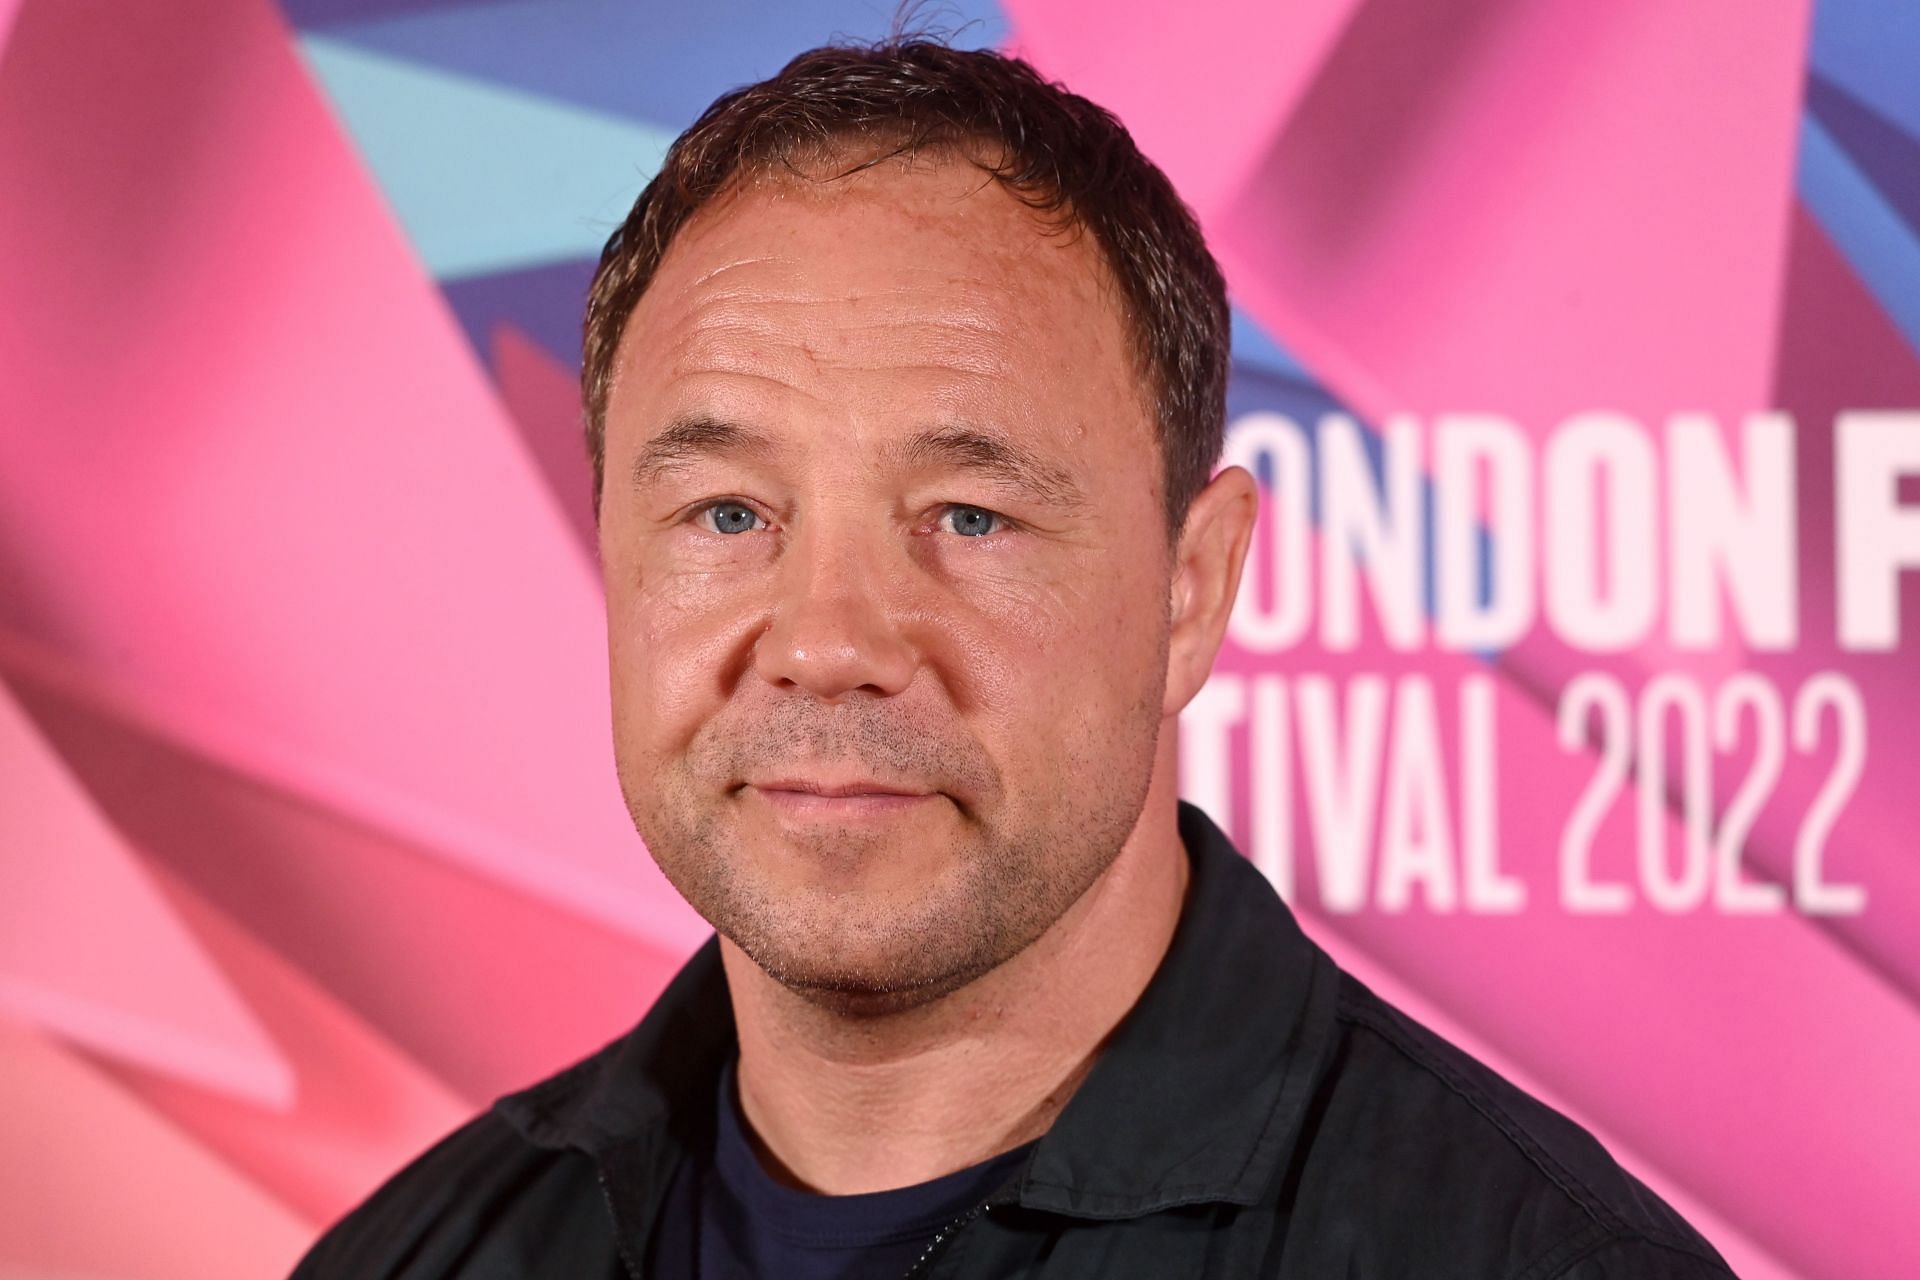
(727, 517)
(973, 522)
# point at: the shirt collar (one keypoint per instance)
(1197, 1097)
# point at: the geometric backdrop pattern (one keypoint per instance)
(309, 838)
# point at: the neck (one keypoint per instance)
(842, 1105)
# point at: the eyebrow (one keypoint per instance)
(959, 447)
(696, 436)
(991, 454)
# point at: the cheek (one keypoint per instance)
(1062, 663)
(998, 637)
(675, 647)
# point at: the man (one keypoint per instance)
(905, 383)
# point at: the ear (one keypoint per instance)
(1206, 577)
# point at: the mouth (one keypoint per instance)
(854, 799)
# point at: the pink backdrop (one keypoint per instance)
(1580, 731)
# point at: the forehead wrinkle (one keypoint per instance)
(707, 277)
(955, 302)
(749, 338)
(777, 284)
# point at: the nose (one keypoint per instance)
(835, 629)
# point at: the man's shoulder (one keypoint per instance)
(481, 1201)
(1422, 1147)
(516, 1190)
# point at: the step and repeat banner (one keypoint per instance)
(1572, 695)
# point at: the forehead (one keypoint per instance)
(904, 281)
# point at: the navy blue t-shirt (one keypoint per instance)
(726, 1218)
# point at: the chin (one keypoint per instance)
(874, 954)
(876, 986)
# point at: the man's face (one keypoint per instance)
(882, 517)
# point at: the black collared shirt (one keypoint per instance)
(1259, 1113)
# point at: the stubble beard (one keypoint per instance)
(1003, 881)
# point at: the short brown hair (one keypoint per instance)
(1058, 153)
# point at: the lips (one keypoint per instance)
(841, 801)
(839, 789)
